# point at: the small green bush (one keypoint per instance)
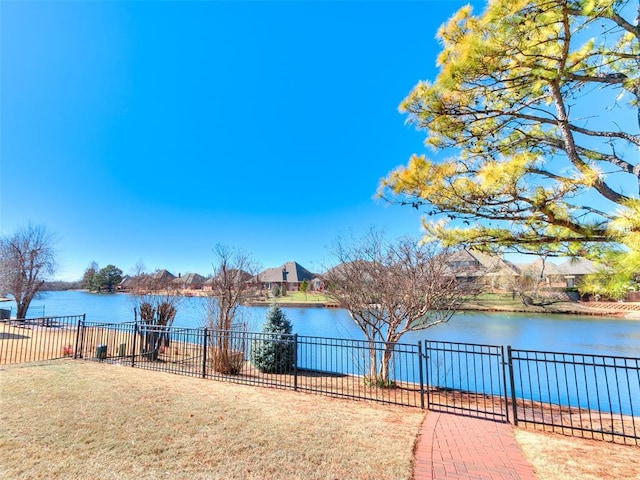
(275, 352)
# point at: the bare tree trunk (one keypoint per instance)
(540, 278)
(21, 309)
(373, 363)
(151, 345)
(387, 356)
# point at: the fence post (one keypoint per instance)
(295, 361)
(133, 351)
(420, 373)
(83, 335)
(426, 371)
(505, 397)
(204, 353)
(512, 384)
(80, 326)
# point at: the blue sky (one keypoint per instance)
(143, 130)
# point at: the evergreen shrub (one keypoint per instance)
(275, 351)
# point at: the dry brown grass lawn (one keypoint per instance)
(557, 457)
(74, 420)
(19, 344)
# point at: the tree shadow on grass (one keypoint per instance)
(12, 336)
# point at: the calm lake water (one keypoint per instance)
(558, 333)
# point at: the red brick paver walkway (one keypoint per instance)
(455, 447)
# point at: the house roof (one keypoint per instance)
(295, 273)
(534, 268)
(460, 256)
(484, 264)
(346, 269)
(577, 266)
(232, 273)
(162, 275)
(127, 281)
(190, 279)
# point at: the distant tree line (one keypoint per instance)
(105, 279)
(60, 285)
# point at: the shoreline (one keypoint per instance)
(624, 311)
(564, 308)
(617, 310)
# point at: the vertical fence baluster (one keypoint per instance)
(204, 352)
(595, 376)
(626, 369)
(295, 361)
(606, 381)
(617, 384)
(421, 374)
(135, 338)
(505, 370)
(78, 328)
(82, 336)
(512, 384)
(427, 351)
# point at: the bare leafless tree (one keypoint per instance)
(391, 288)
(531, 281)
(27, 259)
(156, 303)
(234, 282)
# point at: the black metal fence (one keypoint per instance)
(41, 338)
(351, 368)
(593, 396)
(330, 366)
(467, 379)
(576, 394)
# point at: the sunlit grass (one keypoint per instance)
(296, 296)
(76, 420)
(556, 457)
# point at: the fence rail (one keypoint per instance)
(592, 396)
(39, 338)
(331, 366)
(576, 394)
(466, 378)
